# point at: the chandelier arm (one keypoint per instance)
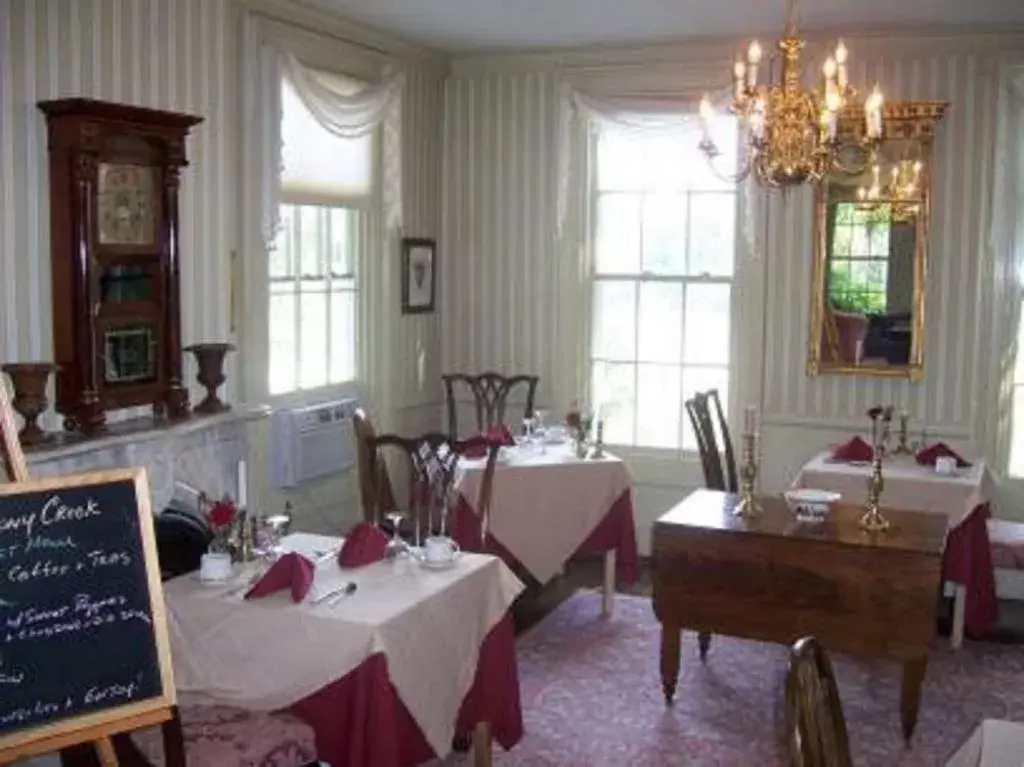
(736, 178)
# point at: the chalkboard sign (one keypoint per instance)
(83, 637)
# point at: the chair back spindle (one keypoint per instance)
(815, 726)
(490, 392)
(718, 474)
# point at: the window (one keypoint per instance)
(325, 189)
(664, 241)
(858, 279)
(1017, 417)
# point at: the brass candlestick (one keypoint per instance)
(748, 505)
(873, 520)
(903, 448)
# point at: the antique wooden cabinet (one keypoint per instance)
(114, 252)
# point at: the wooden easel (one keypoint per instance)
(53, 737)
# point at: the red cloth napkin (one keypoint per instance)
(364, 545)
(855, 449)
(928, 456)
(500, 434)
(292, 570)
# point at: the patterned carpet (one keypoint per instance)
(592, 697)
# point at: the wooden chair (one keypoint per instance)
(490, 395)
(716, 476)
(375, 492)
(815, 726)
(431, 460)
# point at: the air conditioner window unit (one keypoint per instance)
(311, 442)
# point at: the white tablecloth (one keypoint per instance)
(269, 653)
(544, 505)
(908, 485)
(994, 744)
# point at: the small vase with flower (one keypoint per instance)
(216, 563)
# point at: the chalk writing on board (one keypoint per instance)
(77, 630)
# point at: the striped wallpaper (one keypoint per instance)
(183, 56)
(501, 306)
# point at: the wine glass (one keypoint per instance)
(396, 547)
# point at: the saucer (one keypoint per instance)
(441, 564)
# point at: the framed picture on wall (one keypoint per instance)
(419, 275)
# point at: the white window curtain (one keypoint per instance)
(353, 115)
(642, 113)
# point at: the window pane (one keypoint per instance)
(342, 241)
(707, 324)
(878, 236)
(664, 228)
(614, 393)
(311, 236)
(661, 322)
(615, 320)
(343, 335)
(859, 245)
(700, 380)
(658, 404)
(1017, 445)
(713, 233)
(619, 161)
(313, 335)
(283, 252)
(618, 234)
(282, 343)
(842, 240)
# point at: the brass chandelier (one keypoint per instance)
(902, 191)
(791, 132)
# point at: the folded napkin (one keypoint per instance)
(928, 456)
(364, 545)
(854, 450)
(292, 570)
(500, 435)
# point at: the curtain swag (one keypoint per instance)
(355, 115)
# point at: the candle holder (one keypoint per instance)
(599, 441)
(903, 448)
(748, 506)
(873, 520)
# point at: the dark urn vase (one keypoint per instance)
(29, 380)
(210, 359)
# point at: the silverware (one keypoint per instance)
(349, 590)
(341, 591)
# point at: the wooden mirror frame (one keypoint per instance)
(902, 120)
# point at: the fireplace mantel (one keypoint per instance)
(202, 451)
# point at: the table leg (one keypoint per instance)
(910, 694)
(609, 583)
(670, 638)
(704, 643)
(956, 636)
(482, 745)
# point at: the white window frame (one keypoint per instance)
(664, 456)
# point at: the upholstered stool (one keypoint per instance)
(218, 736)
(1007, 539)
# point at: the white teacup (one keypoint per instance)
(440, 549)
(945, 464)
(215, 567)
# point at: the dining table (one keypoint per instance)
(963, 496)
(548, 505)
(388, 662)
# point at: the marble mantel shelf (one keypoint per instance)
(202, 451)
(141, 430)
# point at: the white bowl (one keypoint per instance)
(810, 505)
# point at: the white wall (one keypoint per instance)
(185, 56)
(508, 304)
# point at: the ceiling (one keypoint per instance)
(475, 25)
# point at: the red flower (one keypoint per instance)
(875, 412)
(573, 419)
(222, 514)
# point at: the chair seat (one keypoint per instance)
(220, 736)
(1007, 540)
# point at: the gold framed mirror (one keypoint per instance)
(870, 248)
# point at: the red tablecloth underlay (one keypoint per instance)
(360, 721)
(616, 531)
(968, 561)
